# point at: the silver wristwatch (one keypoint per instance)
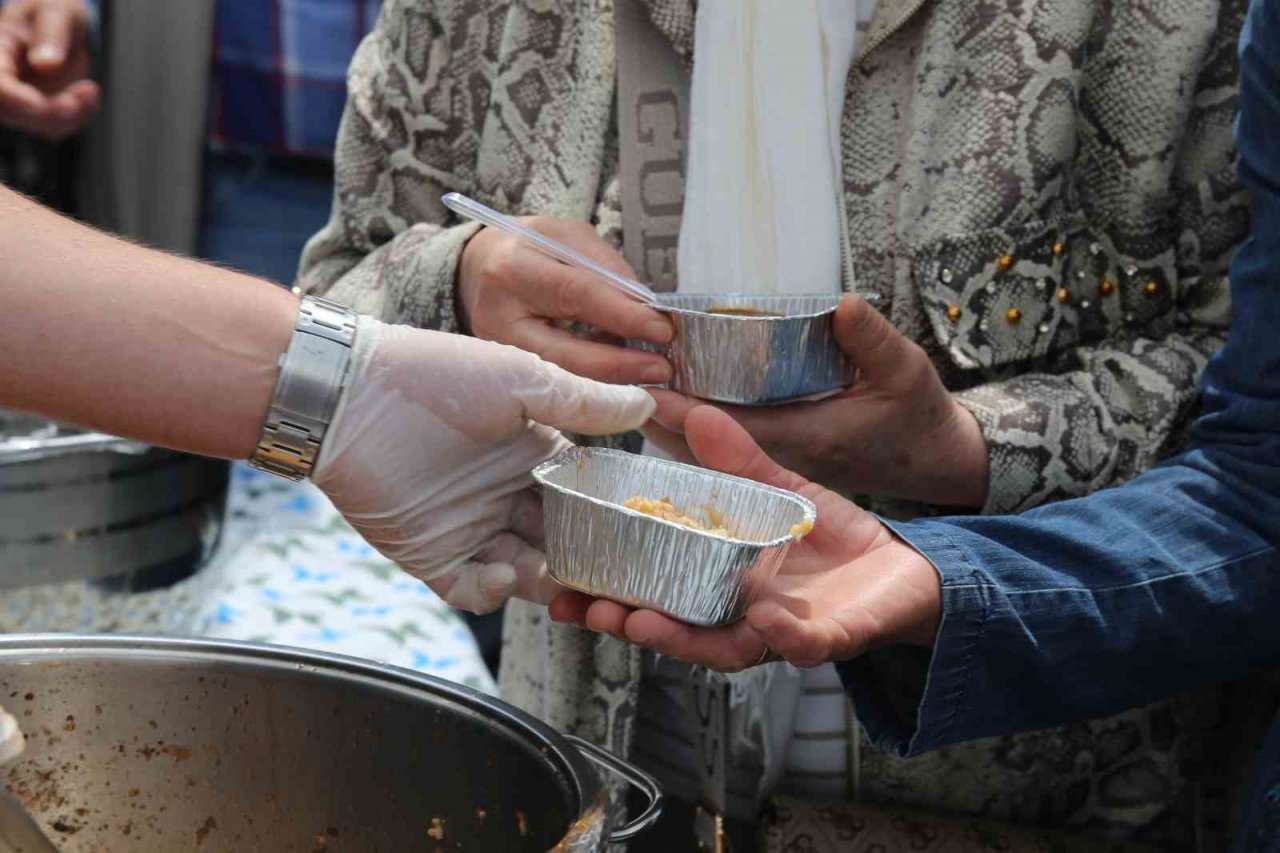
(312, 372)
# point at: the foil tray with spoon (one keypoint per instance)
(749, 350)
(728, 348)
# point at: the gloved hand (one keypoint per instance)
(430, 450)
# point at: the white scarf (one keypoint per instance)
(762, 215)
(760, 210)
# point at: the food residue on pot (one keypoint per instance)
(437, 829)
(522, 823)
(207, 827)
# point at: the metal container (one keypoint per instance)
(141, 745)
(753, 360)
(78, 506)
(597, 546)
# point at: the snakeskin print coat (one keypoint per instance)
(1042, 192)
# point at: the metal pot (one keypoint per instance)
(78, 506)
(149, 744)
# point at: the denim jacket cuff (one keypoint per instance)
(909, 708)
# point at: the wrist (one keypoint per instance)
(466, 285)
(973, 465)
(954, 469)
(310, 378)
(917, 589)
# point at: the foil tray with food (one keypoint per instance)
(695, 544)
(752, 350)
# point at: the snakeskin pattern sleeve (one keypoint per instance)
(1107, 411)
(389, 248)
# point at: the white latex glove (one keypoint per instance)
(430, 450)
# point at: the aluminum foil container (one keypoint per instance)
(597, 546)
(753, 360)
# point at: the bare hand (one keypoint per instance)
(44, 67)
(896, 433)
(847, 587)
(514, 295)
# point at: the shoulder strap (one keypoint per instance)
(653, 133)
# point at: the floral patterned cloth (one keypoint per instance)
(288, 571)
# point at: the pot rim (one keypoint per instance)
(583, 779)
(18, 449)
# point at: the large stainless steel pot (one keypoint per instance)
(151, 745)
(78, 506)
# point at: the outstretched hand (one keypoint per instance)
(849, 586)
(897, 433)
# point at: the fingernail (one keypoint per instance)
(45, 53)
(657, 332)
(641, 639)
(656, 374)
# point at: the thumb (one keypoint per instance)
(52, 30)
(477, 587)
(872, 344)
(565, 401)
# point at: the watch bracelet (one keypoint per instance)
(313, 371)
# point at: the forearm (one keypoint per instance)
(1085, 608)
(130, 341)
(410, 280)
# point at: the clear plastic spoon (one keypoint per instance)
(473, 209)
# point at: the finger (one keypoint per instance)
(764, 425)
(570, 607)
(88, 96)
(670, 443)
(532, 583)
(583, 238)
(556, 291)
(608, 617)
(800, 642)
(53, 27)
(26, 109)
(604, 362)
(65, 108)
(672, 409)
(477, 587)
(527, 520)
(872, 344)
(12, 48)
(720, 443)
(21, 101)
(728, 649)
(557, 398)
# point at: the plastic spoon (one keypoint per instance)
(473, 209)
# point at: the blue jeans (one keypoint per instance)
(259, 212)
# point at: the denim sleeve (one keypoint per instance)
(1090, 606)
